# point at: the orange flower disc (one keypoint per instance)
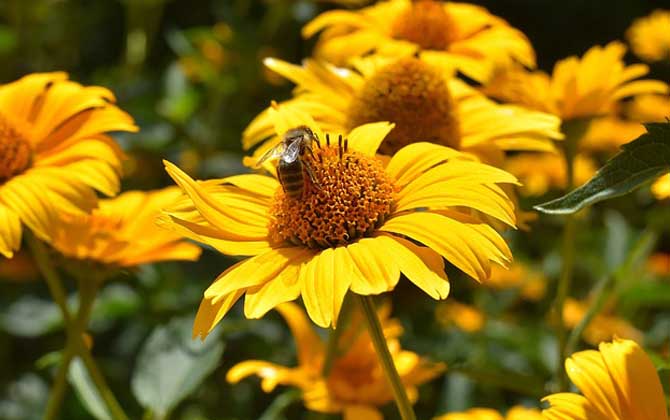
(426, 24)
(15, 151)
(415, 97)
(353, 195)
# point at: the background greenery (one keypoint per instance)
(190, 73)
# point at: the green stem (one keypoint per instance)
(41, 256)
(599, 296)
(75, 328)
(603, 288)
(564, 283)
(385, 358)
(573, 131)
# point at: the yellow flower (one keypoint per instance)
(618, 382)
(122, 232)
(649, 108)
(425, 102)
(649, 36)
(357, 230)
(466, 317)
(542, 172)
(608, 134)
(661, 187)
(54, 152)
(659, 263)
(515, 413)
(460, 35)
(584, 87)
(603, 327)
(355, 385)
(532, 284)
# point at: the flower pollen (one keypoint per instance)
(15, 151)
(414, 96)
(351, 197)
(425, 23)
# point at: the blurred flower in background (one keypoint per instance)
(465, 317)
(603, 327)
(462, 36)
(514, 413)
(354, 383)
(649, 37)
(122, 232)
(618, 381)
(54, 152)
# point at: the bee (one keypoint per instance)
(295, 153)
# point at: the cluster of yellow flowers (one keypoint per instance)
(389, 163)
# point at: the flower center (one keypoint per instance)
(15, 151)
(347, 196)
(413, 95)
(426, 24)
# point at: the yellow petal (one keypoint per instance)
(309, 346)
(367, 138)
(566, 406)
(285, 118)
(465, 242)
(361, 412)
(24, 197)
(416, 158)
(588, 372)
(270, 373)
(636, 379)
(406, 255)
(375, 273)
(283, 288)
(323, 285)
(210, 313)
(10, 231)
(254, 271)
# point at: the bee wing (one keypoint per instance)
(292, 152)
(273, 153)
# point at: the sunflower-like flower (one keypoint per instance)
(603, 327)
(465, 317)
(356, 225)
(541, 172)
(54, 152)
(355, 384)
(514, 413)
(424, 101)
(584, 87)
(649, 108)
(661, 187)
(618, 382)
(461, 35)
(649, 36)
(122, 232)
(659, 263)
(531, 283)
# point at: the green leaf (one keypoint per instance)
(86, 390)
(25, 398)
(171, 365)
(31, 317)
(639, 161)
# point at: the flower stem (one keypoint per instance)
(385, 358)
(574, 130)
(75, 329)
(564, 283)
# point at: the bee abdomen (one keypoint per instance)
(292, 180)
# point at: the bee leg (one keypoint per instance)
(312, 176)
